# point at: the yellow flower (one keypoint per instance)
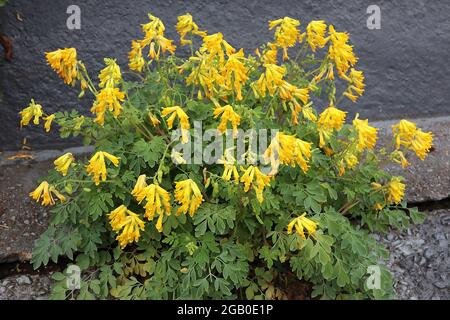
(64, 62)
(155, 26)
(117, 217)
(270, 54)
(331, 118)
(308, 113)
(407, 134)
(270, 80)
(32, 111)
(154, 36)
(176, 111)
(155, 121)
(48, 122)
(253, 177)
(404, 130)
(355, 84)
(137, 62)
(62, 164)
(340, 51)
(398, 157)
(110, 75)
(396, 190)
(422, 143)
(186, 25)
(157, 200)
(378, 206)
(188, 196)
(291, 93)
(109, 98)
(367, 135)
(216, 45)
(139, 186)
(129, 222)
(235, 73)
(301, 223)
(45, 190)
(351, 160)
(97, 165)
(286, 33)
(376, 185)
(229, 168)
(228, 114)
(290, 151)
(315, 34)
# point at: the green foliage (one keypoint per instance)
(234, 246)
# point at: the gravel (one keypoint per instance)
(419, 258)
(25, 287)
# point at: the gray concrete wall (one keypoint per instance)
(406, 62)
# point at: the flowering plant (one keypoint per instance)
(145, 221)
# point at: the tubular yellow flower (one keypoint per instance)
(270, 80)
(183, 118)
(315, 34)
(32, 111)
(130, 224)
(228, 114)
(301, 223)
(286, 33)
(154, 37)
(186, 25)
(253, 177)
(157, 200)
(407, 134)
(351, 160)
(229, 167)
(235, 73)
(45, 191)
(155, 26)
(270, 54)
(398, 157)
(396, 190)
(62, 164)
(97, 166)
(155, 121)
(355, 84)
(188, 195)
(422, 143)
(309, 114)
(117, 217)
(48, 122)
(378, 206)
(110, 75)
(340, 51)
(290, 151)
(216, 45)
(64, 62)
(139, 186)
(137, 62)
(331, 118)
(110, 99)
(367, 135)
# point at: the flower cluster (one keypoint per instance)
(110, 97)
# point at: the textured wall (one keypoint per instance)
(406, 62)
